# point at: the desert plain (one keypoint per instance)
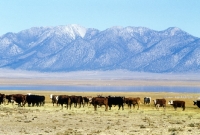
(52, 120)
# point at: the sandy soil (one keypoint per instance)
(51, 120)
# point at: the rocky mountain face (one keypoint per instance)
(75, 48)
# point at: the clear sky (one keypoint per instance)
(17, 15)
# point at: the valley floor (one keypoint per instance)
(52, 120)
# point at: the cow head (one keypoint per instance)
(51, 96)
(170, 102)
(195, 102)
(154, 101)
(57, 98)
(28, 93)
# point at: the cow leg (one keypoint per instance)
(129, 105)
(95, 107)
(106, 107)
(70, 106)
(110, 107)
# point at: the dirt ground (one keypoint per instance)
(52, 120)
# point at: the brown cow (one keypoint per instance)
(159, 103)
(100, 101)
(133, 101)
(20, 99)
(177, 103)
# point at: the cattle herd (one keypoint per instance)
(78, 101)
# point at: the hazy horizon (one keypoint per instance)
(98, 75)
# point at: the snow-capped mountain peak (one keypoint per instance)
(73, 47)
(73, 30)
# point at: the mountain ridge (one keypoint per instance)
(75, 48)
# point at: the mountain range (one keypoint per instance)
(76, 48)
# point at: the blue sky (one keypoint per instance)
(17, 15)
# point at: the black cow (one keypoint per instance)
(2, 98)
(197, 102)
(9, 99)
(87, 100)
(77, 100)
(37, 100)
(147, 100)
(116, 101)
(64, 99)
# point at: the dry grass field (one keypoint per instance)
(52, 120)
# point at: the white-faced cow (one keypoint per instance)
(177, 103)
(54, 99)
(159, 103)
(197, 102)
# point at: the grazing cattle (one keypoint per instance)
(87, 100)
(116, 101)
(133, 101)
(147, 100)
(2, 98)
(64, 99)
(9, 99)
(54, 99)
(77, 100)
(20, 99)
(37, 100)
(100, 101)
(159, 103)
(177, 103)
(197, 102)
